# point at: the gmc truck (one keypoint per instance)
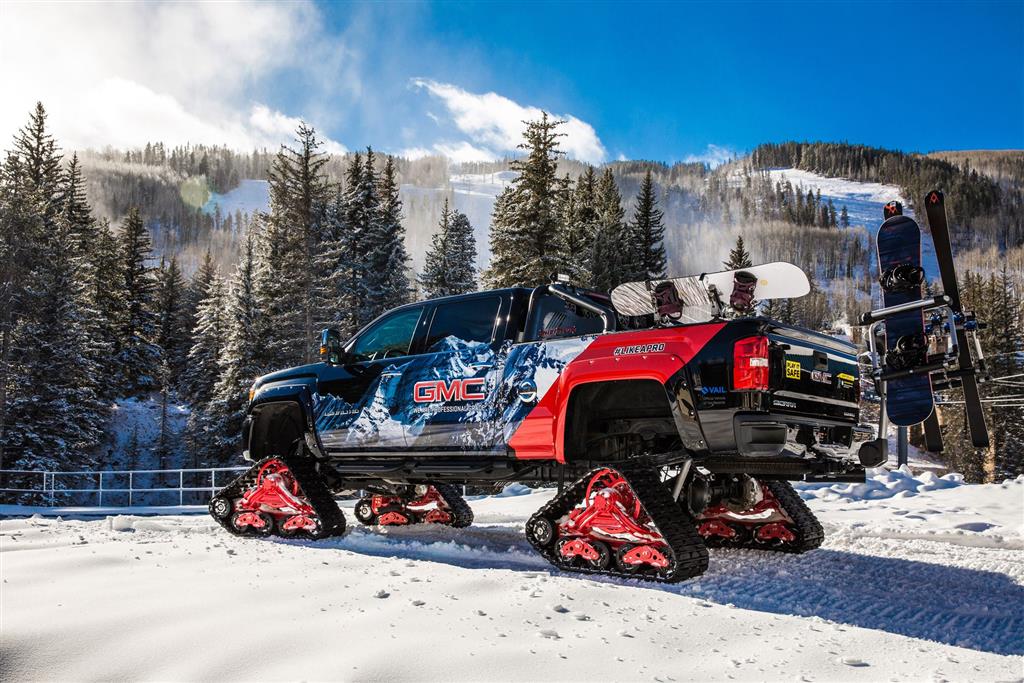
(665, 438)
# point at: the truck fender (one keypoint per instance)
(296, 401)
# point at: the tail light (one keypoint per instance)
(750, 367)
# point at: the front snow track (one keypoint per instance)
(283, 495)
(621, 522)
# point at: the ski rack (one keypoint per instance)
(953, 367)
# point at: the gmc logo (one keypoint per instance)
(438, 390)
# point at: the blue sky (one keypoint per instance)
(666, 81)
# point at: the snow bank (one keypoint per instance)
(883, 483)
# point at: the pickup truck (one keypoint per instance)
(664, 439)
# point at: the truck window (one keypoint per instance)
(471, 320)
(390, 337)
(553, 318)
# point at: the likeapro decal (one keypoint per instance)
(642, 348)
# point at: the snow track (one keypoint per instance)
(175, 598)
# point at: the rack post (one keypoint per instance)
(901, 446)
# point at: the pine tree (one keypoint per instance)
(387, 258)
(739, 257)
(241, 358)
(525, 230)
(203, 366)
(581, 225)
(171, 319)
(448, 267)
(21, 233)
(208, 340)
(613, 254)
(136, 355)
(844, 218)
(57, 412)
(343, 260)
(648, 233)
(41, 162)
(299, 192)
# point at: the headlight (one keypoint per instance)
(252, 393)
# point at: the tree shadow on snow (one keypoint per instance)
(971, 608)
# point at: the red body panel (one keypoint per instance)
(607, 358)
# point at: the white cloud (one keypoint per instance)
(123, 74)
(713, 155)
(494, 123)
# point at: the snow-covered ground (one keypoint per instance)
(250, 196)
(920, 578)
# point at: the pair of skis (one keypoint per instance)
(910, 360)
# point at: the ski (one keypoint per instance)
(935, 207)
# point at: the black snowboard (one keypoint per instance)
(935, 207)
(908, 399)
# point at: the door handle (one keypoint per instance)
(481, 366)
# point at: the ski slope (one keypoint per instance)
(863, 202)
(920, 578)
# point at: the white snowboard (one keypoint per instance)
(777, 280)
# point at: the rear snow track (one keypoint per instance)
(176, 598)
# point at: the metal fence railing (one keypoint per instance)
(114, 488)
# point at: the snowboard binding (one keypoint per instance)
(667, 304)
(436, 504)
(910, 351)
(742, 298)
(905, 277)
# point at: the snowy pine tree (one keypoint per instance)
(171, 336)
(449, 263)
(136, 356)
(299, 192)
(525, 227)
(201, 377)
(613, 255)
(579, 228)
(58, 412)
(648, 233)
(739, 257)
(241, 358)
(387, 257)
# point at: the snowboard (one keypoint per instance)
(935, 207)
(699, 298)
(908, 399)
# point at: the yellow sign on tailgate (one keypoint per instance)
(792, 369)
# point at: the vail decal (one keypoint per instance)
(712, 391)
(438, 390)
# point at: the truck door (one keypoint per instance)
(362, 410)
(453, 386)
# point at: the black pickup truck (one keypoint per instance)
(665, 439)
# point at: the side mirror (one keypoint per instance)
(331, 351)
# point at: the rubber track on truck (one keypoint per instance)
(675, 525)
(310, 481)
